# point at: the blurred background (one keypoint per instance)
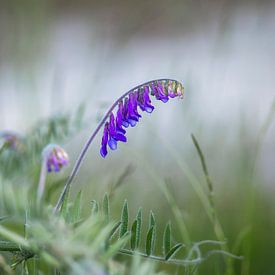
(57, 55)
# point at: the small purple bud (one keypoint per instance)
(171, 89)
(56, 157)
(9, 140)
(180, 90)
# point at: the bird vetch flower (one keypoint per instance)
(10, 140)
(128, 113)
(56, 157)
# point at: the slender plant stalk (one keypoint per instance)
(205, 171)
(215, 221)
(195, 183)
(42, 180)
(88, 143)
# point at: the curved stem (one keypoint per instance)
(90, 140)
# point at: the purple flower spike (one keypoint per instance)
(128, 113)
(56, 158)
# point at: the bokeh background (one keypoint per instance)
(57, 55)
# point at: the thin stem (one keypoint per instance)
(42, 180)
(90, 140)
(180, 262)
(161, 259)
(9, 246)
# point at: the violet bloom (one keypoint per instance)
(56, 157)
(11, 141)
(128, 113)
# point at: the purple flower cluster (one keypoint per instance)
(56, 157)
(128, 112)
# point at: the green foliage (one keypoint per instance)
(56, 129)
(124, 220)
(70, 242)
(106, 208)
(167, 239)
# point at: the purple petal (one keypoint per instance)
(147, 101)
(120, 137)
(103, 151)
(149, 108)
(162, 96)
(105, 134)
(133, 122)
(112, 143)
(125, 123)
(112, 127)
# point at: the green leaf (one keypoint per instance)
(124, 219)
(167, 239)
(173, 251)
(152, 219)
(134, 235)
(139, 224)
(114, 230)
(65, 205)
(95, 207)
(150, 241)
(106, 208)
(76, 210)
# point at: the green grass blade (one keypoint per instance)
(124, 219)
(76, 211)
(114, 230)
(95, 207)
(106, 208)
(167, 239)
(134, 235)
(65, 205)
(150, 241)
(173, 251)
(139, 224)
(152, 219)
